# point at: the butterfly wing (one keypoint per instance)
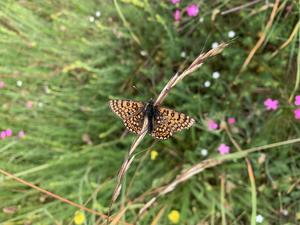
(135, 123)
(168, 121)
(131, 112)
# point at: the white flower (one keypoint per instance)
(98, 14)
(143, 53)
(259, 218)
(215, 44)
(40, 104)
(201, 19)
(91, 19)
(204, 152)
(19, 83)
(207, 83)
(231, 34)
(285, 212)
(183, 54)
(216, 75)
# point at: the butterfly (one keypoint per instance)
(162, 122)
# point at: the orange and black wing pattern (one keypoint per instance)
(168, 121)
(131, 112)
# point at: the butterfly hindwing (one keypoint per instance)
(131, 112)
(168, 121)
(135, 123)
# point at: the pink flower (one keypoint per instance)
(297, 100)
(271, 104)
(297, 114)
(3, 134)
(192, 10)
(29, 104)
(8, 132)
(212, 125)
(2, 84)
(177, 15)
(175, 1)
(224, 149)
(21, 134)
(231, 120)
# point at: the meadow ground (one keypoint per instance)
(61, 62)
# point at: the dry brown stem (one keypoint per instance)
(185, 175)
(240, 7)
(201, 166)
(262, 37)
(125, 166)
(55, 196)
(197, 63)
(194, 66)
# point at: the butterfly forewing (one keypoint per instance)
(168, 121)
(126, 108)
(132, 113)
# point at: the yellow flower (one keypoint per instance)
(79, 218)
(298, 216)
(153, 154)
(174, 216)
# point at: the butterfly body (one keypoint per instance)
(162, 122)
(151, 112)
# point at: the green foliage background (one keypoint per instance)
(70, 68)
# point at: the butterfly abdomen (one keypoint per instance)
(150, 112)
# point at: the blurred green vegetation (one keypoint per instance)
(71, 62)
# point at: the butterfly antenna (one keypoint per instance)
(206, 40)
(140, 93)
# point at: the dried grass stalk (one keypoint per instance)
(197, 63)
(262, 38)
(185, 175)
(125, 166)
(194, 66)
(201, 166)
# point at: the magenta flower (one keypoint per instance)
(29, 104)
(175, 1)
(192, 10)
(8, 133)
(297, 114)
(212, 125)
(177, 15)
(3, 134)
(224, 149)
(271, 104)
(21, 134)
(231, 120)
(297, 100)
(2, 84)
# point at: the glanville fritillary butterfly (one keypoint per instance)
(163, 122)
